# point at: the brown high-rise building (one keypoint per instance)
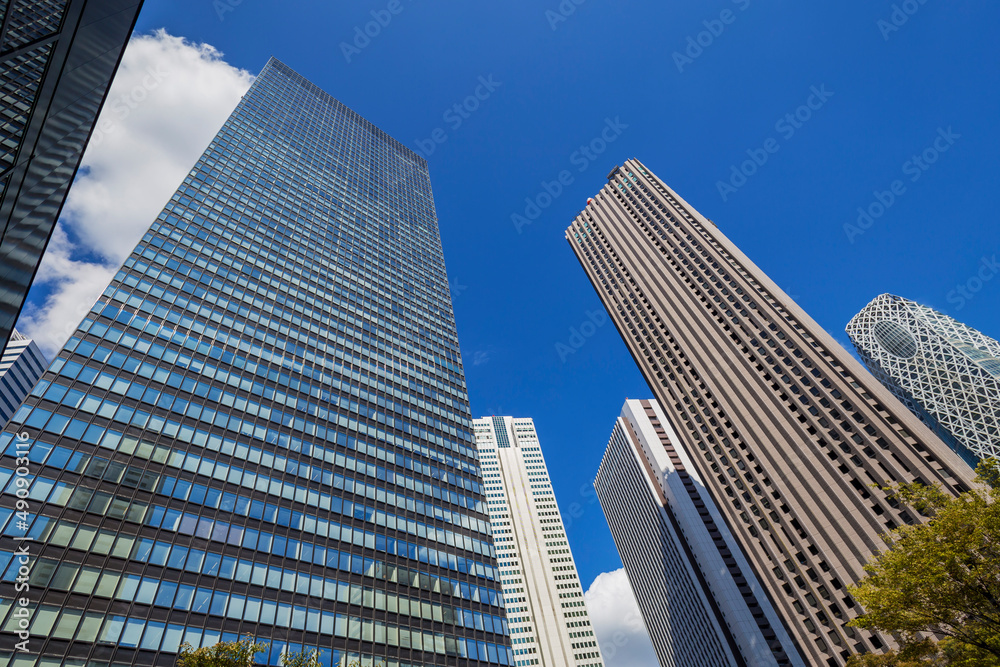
(787, 430)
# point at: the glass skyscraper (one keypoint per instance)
(946, 372)
(57, 59)
(262, 427)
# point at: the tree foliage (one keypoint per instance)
(224, 654)
(941, 577)
(239, 654)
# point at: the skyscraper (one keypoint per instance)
(57, 59)
(789, 432)
(701, 602)
(21, 366)
(262, 426)
(947, 373)
(549, 624)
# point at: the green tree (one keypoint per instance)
(941, 577)
(303, 659)
(224, 654)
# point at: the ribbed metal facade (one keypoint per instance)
(788, 431)
(57, 59)
(262, 427)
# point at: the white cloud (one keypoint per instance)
(167, 101)
(618, 623)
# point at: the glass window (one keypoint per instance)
(112, 629)
(131, 633)
(185, 596)
(42, 621)
(153, 635)
(87, 580)
(68, 622)
(90, 627)
(64, 576)
(108, 583)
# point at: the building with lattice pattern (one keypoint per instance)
(947, 373)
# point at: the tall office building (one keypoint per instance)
(700, 600)
(549, 624)
(57, 59)
(789, 431)
(262, 427)
(21, 366)
(947, 373)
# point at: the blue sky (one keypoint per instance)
(884, 86)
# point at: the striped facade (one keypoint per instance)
(549, 623)
(790, 432)
(20, 368)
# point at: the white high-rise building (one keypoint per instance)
(700, 600)
(549, 624)
(20, 368)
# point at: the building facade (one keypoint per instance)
(262, 427)
(57, 59)
(789, 432)
(549, 623)
(700, 600)
(21, 366)
(947, 373)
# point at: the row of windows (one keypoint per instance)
(262, 301)
(66, 533)
(130, 632)
(87, 348)
(173, 520)
(148, 590)
(286, 292)
(86, 374)
(76, 429)
(221, 272)
(99, 468)
(269, 378)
